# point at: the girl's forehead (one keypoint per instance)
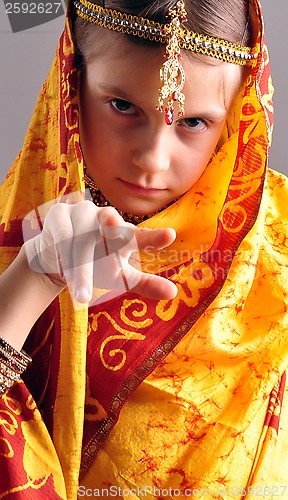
(135, 68)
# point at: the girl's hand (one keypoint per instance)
(84, 246)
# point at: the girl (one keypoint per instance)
(176, 266)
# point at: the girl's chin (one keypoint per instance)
(140, 204)
(142, 211)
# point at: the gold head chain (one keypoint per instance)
(172, 73)
(176, 38)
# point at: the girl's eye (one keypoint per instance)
(196, 124)
(123, 106)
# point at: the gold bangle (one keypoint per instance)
(20, 358)
(12, 364)
(7, 370)
(7, 380)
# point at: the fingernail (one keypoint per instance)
(82, 295)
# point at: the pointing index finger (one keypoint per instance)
(157, 238)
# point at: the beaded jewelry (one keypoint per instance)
(100, 201)
(156, 32)
(12, 364)
(172, 73)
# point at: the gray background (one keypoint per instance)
(26, 58)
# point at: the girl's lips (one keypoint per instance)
(140, 189)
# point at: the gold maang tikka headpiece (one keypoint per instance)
(172, 73)
(176, 38)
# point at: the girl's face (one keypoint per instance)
(140, 163)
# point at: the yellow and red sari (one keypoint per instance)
(135, 397)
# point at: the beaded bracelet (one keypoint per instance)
(12, 364)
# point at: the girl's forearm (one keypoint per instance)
(24, 295)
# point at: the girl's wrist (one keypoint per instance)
(24, 296)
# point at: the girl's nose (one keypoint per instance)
(153, 153)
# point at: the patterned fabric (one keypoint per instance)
(187, 394)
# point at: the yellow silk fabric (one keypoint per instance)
(216, 383)
(196, 423)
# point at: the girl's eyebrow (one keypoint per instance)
(216, 114)
(114, 90)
